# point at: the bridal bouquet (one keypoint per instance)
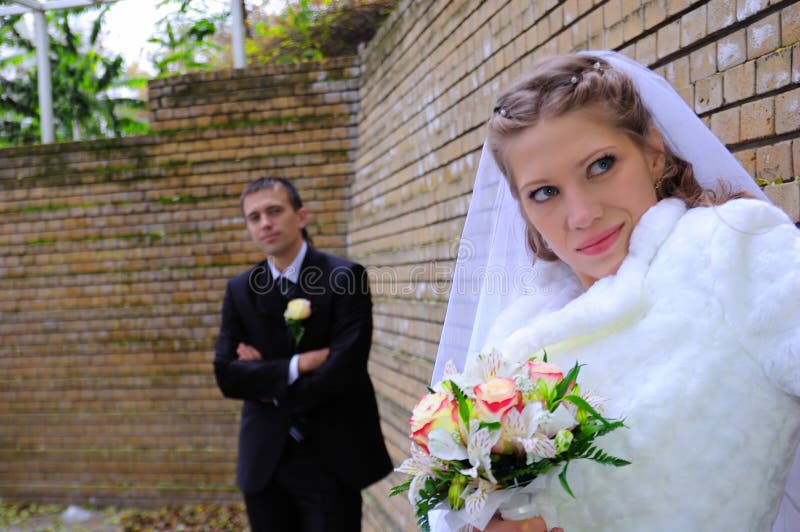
(478, 432)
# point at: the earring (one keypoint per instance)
(660, 186)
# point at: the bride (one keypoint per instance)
(630, 240)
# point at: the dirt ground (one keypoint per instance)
(17, 517)
(45, 520)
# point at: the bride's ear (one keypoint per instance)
(655, 153)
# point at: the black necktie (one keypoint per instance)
(286, 287)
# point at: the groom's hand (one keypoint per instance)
(248, 352)
(311, 360)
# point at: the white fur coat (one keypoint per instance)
(696, 344)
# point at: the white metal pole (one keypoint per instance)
(45, 85)
(237, 33)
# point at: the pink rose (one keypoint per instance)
(434, 411)
(549, 373)
(495, 396)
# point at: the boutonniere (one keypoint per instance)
(296, 311)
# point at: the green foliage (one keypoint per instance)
(291, 35)
(186, 37)
(86, 82)
(310, 30)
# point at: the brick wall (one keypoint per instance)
(113, 261)
(429, 80)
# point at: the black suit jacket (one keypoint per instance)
(335, 404)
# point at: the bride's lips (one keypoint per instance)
(600, 243)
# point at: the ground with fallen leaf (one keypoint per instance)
(17, 516)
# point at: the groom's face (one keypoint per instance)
(273, 224)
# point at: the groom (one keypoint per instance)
(310, 437)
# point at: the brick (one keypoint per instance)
(646, 50)
(774, 162)
(796, 158)
(676, 6)
(748, 160)
(655, 12)
(725, 125)
(703, 62)
(787, 112)
(748, 8)
(693, 26)
(687, 93)
(669, 39)
(790, 24)
(732, 50)
(796, 63)
(739, 82)
(763, 36)
(677, 72)
(614, 35)
(786, 196)
(708, 94)
(632, 25)
(757, 119)
(721, 14)
(773, 71)
(612, 13)
(629, 6)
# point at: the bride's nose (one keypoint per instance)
(582, 208)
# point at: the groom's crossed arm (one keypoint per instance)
(241, 370)
(351, 338)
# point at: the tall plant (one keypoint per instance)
(87, 82)
(188, 37)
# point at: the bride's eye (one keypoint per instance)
(602, 165)
(542, 194)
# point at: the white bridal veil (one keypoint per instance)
(495, 268)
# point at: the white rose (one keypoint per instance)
(298, 309)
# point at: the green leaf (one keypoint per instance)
(492, 426)
(581, 403)
(463, 403)
(562, 478)
(569, 378)
(400, 488)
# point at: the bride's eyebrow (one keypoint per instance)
(594, 154)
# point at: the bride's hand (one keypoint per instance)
(536, 524)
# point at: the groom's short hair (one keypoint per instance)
(270, 182)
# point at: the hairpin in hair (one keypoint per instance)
(596, 65)
(574, 80)
(502, 111)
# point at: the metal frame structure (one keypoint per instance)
(39, 8)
